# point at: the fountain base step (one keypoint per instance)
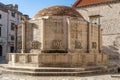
(58, 71)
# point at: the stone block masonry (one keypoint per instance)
(58, 59)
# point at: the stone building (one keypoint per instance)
(107, 14)
(10, 18)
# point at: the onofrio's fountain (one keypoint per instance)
(59, 42)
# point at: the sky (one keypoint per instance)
(31, 7)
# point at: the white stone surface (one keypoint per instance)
(102, 77)
(109, 21)
(6, 32)
(63, 34)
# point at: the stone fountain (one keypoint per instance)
(58, 41)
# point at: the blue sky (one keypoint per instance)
(31, 7)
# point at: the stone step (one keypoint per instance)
(51, 73)
(53, 69)
(56, 71)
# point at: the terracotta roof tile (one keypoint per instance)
(58, 11)
(79, 3)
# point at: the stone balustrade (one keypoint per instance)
(57, 59)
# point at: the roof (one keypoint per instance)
(58, 11)
(80, 3)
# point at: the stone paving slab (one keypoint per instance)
(103, 77)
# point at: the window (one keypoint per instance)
(0, 31)
(13, 14)
(11, 49)
(12, 37)
(0, 16)
(12, 26)
(95, 19)
(0, 50)
(21, 18)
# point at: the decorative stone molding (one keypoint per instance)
(35, 45)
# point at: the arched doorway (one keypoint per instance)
(0, 50)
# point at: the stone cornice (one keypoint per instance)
(4, 8)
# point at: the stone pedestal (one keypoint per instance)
(59, 59)
(58, 64)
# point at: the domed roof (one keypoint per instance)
(58, 11)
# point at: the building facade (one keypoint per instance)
(107, 14)
(10, 18)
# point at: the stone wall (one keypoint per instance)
(34, 33)
(63, 34)
(109, 21)
(55, 34)
(3, 38)
(58, 59)
(78, 30)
